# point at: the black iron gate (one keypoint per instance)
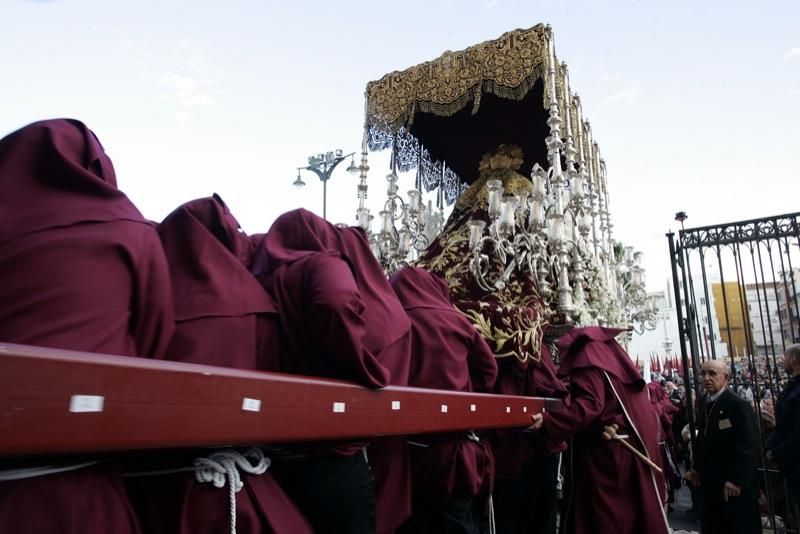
(736, 288)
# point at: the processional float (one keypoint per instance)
(468, 118)
(494, 129)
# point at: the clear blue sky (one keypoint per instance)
(696, 105)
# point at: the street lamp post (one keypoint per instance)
(322, 165)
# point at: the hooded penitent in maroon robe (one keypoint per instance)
(525, 488)
(80, 269)
(665, 410)
(224, 318)
(338, 314)
(447, 353)
(612, 490)
(339, 318)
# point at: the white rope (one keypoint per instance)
(559, 479)
(31, 472)
(158, 472)
(224, 465)
(492, 526)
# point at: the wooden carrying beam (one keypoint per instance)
(56, 402)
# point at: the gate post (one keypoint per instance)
(675, 259)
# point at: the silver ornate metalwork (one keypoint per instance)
(407, 226)
(560, 235)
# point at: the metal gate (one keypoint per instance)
(736, 289)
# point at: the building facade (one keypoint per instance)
(664, 341)
(788, 309)
(764, 316)
(758, 318)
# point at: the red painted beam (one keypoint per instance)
(55, 402)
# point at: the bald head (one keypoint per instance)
(714, 376)
(791, 360)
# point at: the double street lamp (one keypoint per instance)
(322, 165)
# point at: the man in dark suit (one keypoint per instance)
(726, 457)
(784, 443)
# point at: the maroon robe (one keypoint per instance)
(447, 353)
(664, 410)
(80, 269)
(338, 314)
(512, 447)
(612, 490)
(224, 318)
(340, 318)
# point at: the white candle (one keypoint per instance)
(476, 228)
(628, 255)
(537, 214)
(363, 218)
(404, 243)
(522, 199)
(495, 188)
(413, 200)
(386, 221)
(538, 187)
(508, 208)
(557, 230)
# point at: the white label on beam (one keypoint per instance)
(338, 407)
(251, 405)
(395, 405)
(508, 409)
(444, 408)
(86, 403)
(524, 409)
(473, 408)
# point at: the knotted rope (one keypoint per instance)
(224, 465)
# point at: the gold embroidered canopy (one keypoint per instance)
(506, 67)
(441, 116)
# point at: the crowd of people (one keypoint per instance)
(82, 269)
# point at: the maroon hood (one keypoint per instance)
(55, 173)
(300, 233)
(419, 288)
(595, 346)
(207, 256)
